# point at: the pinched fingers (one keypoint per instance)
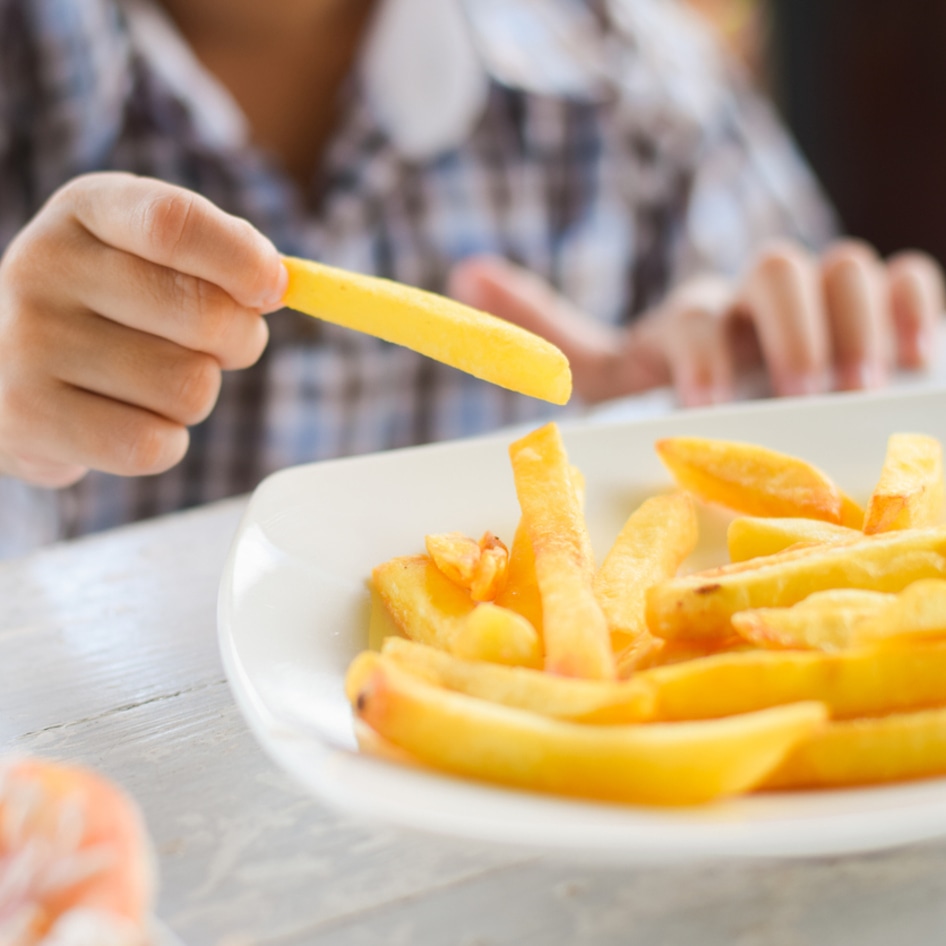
(189, 311)
(180, 230)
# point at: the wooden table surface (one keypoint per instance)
(108, 656)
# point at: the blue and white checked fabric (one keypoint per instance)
(606, 145)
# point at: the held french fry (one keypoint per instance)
(702, 605)
(655, 540)
(575, 633)
(662, 764)
(750, 479)
(483, 345)
(751, 537)
(582, 701)
(909, 493)
(862, 682)
(866, 752)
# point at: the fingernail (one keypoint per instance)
(273, 299)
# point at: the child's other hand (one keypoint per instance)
(121, 303)
(841, 321)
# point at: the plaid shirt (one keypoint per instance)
(606, 145)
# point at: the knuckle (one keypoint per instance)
(204, 309)
(152, 446)
(847, 258)
(197, 389)
(781, 262)
(165, 218)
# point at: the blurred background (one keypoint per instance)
(862, 85)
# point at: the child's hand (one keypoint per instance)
(839, 322)
(120, 304)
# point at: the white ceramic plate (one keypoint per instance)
(293, 611)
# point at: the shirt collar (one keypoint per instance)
(425, 69)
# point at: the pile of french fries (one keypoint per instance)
(814, 657)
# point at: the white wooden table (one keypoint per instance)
(108, 656)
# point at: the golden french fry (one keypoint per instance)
(480, 567)
(866, 751)
(655, 540)
(423, 603)
(521, 590)
(380, 623)
(476, 342)
(868, 681)
(909, 494)
(751, 537)
(499, 635)
(575, 633)
(661, 764)
(826, 620)
(584, 701)
(852, 513)
(701, 605)
(750, 479)
(917, 614)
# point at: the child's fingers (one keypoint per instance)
(916, 305)
(858, 316)
(67, 428)
(181, 230)
(782, 295)
(102, 357)
(184, 309)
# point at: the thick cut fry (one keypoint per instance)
(701, 605)
(521, 590)
(852, 513)
(751, 537)
(583, 701)
(577, 643)
(476, 342)
(428, 607)
(498, 635)
(480, 567)
(917, 614)
(862, 682)
(424, 604)
(866, 751)
(380, 623)
(909, 494)
(826, 620)
(750, 479)
(651, 546)
(674, 764)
